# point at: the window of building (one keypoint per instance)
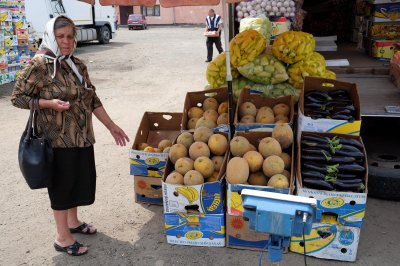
(152, 11)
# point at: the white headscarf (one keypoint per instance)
(49, 48)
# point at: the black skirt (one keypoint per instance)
(74, 181)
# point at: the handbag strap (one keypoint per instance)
(28, 128)
(38, 115)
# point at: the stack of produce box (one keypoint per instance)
(332, 168)
(384, 28)
(193, 183)
(260, 158)
(15, 39)
(156, 133)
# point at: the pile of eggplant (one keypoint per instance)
(330, 105)
(332, 163)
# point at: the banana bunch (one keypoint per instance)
(246, 46)
(329, 74)
(189, 193)
(216, 71)
(265, 69)
(314, 66)
(293, 46)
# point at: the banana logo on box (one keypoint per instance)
(332, 203)
(194, 235)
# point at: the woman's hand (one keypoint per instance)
(119, 135)
(54, 104)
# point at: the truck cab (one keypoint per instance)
(93, 22)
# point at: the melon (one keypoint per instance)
(265, 118)
(192, 123)
(255, 160)
(213, 178)
(186, 139)
(174, 178)
(281, 119)
(211, 114)
(258, 179)
(195, 112)
(142, 146)
(223, 108)
(286, 173)
(204, 122)
(265, 110)
(176, 152)
(218, 144)
(237, 171)
(281, 109)
(248, 119)
(223, 119)
(269, 146)
(193, 178)
(184, 165)
(247, 108)
(239, 146)
(202, 134)
(205, 166)
(218, 161)
(199, 149)
(287, 159)
(273, 165)
(283, 133)
(165, 143)
(210, 103)
(167, 149)
(278, 181)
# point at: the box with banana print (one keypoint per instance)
(195, 229)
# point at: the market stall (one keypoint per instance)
(285, 98)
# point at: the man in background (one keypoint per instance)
(213, 23)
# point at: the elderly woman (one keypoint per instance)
(68, 99)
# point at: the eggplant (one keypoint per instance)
(319, 95)
(313, 105)
(310, 112)
(356, 187)
(328, 159)
(341, 112)
(351, 142)
(342, 176)
(311, 99)
(338, 93)
(359, 156)
(312, 174)
(316, 138)
(352, 168)
(316, 167)
(343, 117)
(349, 181)
(317, 184)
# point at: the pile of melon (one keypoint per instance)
(163, 146)
(249, 114)
(211, 114)
(265, 165)
(197, 157)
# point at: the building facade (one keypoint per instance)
(158, 15)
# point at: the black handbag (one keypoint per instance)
(35, 154)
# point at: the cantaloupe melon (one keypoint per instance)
(210, 103)
(202, 134)
(205, 166)
(273, 165)
(278, 181)
(185, 139)
(218, 144)
(239, 146)
(195, 112)
(199, 149)
(247, 108)
(165, 143)
(255, 160)
(269, 146)
(193, 178)
(174, 178)
(283, 133)
(237, 171)
(176, 152)
(258, 179)
(184, 165)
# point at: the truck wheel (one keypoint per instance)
(105, 35)
(384, 175)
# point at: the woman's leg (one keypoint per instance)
(73, 221)
(64, 237)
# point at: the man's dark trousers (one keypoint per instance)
(210, 42)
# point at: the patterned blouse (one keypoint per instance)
(68, 129)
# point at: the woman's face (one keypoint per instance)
(65, 39)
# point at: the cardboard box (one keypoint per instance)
(153, 128)
(238, 235)
(384, 50)
(278, 28)
(197, 98)
(349, 207)
(205, 198)
(10, 41)
(233, 198)
(206, 230)
(329, 241)
(306, 123)
(260, 101)
(386, 12)
(148, 190)
(385, 31)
